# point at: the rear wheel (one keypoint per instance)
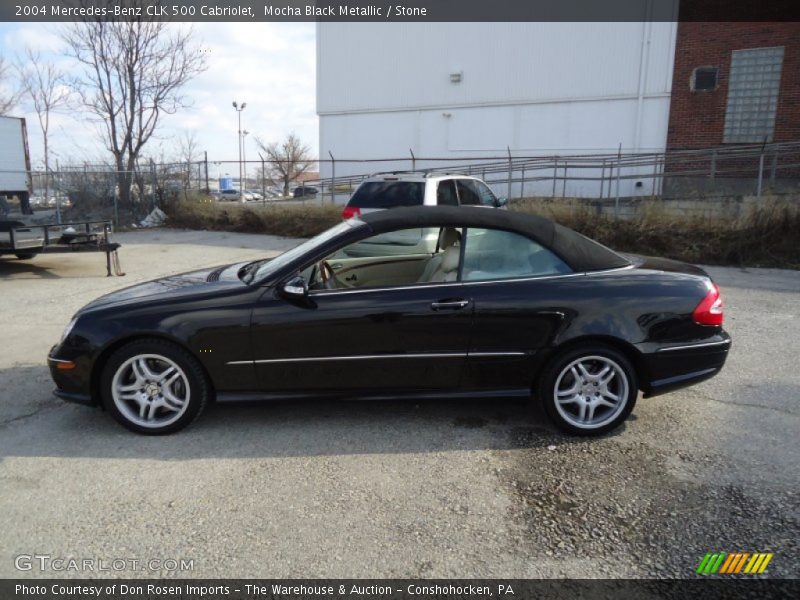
(589, 390)
(154, 387)
(25, 255)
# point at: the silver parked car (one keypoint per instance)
(391, 190)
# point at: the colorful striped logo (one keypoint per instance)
(734, 563)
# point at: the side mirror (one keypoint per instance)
(500, 202)
(296, 287)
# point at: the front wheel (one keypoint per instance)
(25, 255)
(154, 387)
(589, 390)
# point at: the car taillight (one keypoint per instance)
(709, 311)
(351, 211)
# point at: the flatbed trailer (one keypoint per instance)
(26, 241)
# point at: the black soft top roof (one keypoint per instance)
(578, 251)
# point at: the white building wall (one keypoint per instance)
(533, 88)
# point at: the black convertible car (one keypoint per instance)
(507, 305)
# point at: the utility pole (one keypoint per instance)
(239, 110)
(244, 160)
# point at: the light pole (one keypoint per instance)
(239, 110)
(244, 155)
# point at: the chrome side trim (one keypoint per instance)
(462, 283)
(489, 354)
(360, 357)
(444, 284)
(59, 360)
(691, 346)
(614, 270)
(264, 361)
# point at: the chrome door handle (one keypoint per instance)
(449, 304)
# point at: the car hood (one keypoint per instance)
(181, 285)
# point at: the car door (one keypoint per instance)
(381, 339)
(487, 197)
(467, 194)
(446, 193)
(514, 284)
(475, 193)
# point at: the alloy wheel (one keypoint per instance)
(150, 390)
(591, 391)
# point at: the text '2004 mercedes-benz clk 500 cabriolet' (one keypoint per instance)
(506, 304)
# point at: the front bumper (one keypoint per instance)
(72, 384)
(674, 366)
(75, 398)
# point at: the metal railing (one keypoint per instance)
(725, 170)
(750, 170)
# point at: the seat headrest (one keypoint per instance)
(448, 237)
(450, 260)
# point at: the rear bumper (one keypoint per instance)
(674, 366)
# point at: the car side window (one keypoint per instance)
(446, 193)
(467, 193)
(487, 197)
(494, 254)
(392, 259)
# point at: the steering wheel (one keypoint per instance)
(327, 275)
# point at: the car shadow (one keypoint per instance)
(37, 424)
(11, 266)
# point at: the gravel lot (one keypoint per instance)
(391, 489)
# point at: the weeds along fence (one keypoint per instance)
(767, 235)
(698, 181)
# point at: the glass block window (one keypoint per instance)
(755, 79)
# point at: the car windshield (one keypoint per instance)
(388, 194)
(280, 261)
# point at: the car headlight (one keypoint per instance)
(68, 329)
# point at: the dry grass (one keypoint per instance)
(288, 221)
(767, 236)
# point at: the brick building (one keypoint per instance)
(735, 83)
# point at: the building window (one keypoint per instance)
(704, 79)
(753, 95)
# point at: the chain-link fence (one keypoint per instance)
(704, 181)
(93, 189)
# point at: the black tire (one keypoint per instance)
(198, 391)
(25, 255)
(608, 418)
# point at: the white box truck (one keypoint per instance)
(26, 240)
(15, 163)
(15, 180)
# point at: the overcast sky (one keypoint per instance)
(271, 66)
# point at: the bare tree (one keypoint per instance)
(188, 148)
(45, 86)
(133, 74)
(9, 94)
(288, 159)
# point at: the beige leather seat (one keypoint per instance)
(443, 266)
